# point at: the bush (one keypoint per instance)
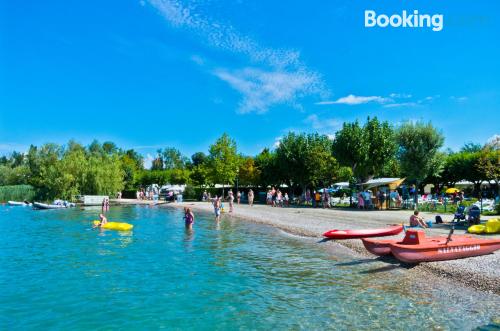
(17, 193)
(191, 193)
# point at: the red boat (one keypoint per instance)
(416, 248)
(379, 247)
(353, 234)
(383, 247)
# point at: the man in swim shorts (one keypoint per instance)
(217, 208)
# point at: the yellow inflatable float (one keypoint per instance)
(492, 226)
(115, 226)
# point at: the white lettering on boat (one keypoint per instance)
(458, 249)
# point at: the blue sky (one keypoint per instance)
(151, 74)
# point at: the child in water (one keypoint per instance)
(188, 218)
(103, 220)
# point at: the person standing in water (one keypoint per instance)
(231, 200)
(188, 218)
(217, 207)
(250, 197)
(105, 205)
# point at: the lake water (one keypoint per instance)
(58, 273)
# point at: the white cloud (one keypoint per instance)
(459, 99)
(190, 15)
(263, 89)
(494, 141)
(277, 142)
(402, 104)
(276, 76)
(323, 124)
(400, 95)
(352, 99)
(148, 161)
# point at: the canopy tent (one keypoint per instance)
(452, 190)
(392, 183)
(341, 185)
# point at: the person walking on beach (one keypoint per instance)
(286, 199)
(361, 201)
(231, 200)
(217, 206)
(250, 197)
(188, 218)
(325, 198)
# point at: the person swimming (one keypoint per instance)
(102, 220)
(188, 218)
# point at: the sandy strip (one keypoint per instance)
(482, 272)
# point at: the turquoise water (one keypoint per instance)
(57, 273)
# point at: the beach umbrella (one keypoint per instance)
(452, 190)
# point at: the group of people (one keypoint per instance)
(150, 194)
(317, 198)
(276, 198)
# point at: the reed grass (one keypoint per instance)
(17, 193)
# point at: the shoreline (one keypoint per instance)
(480, 273)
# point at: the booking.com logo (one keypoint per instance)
(405, 20)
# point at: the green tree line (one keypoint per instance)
(356, 153)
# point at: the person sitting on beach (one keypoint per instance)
(188, 218)
(102, 220)
(416, 220)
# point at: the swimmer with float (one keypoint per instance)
(102, 220)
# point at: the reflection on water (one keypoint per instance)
(218, 275)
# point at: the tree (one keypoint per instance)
(199, 175)
(489, 165)
(367, 150)
(248, 173)
(471, 147)
(173, 159)
(267, 167)
(419, 144)
(198, 158)
(109, 147)
(179, 176)
(306, 159)
(350, 148)
(157, 163)
(223, 161)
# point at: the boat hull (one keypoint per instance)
(439, 250)
(17, 203)
(39, 205)
(356, 234)
(378, 247)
